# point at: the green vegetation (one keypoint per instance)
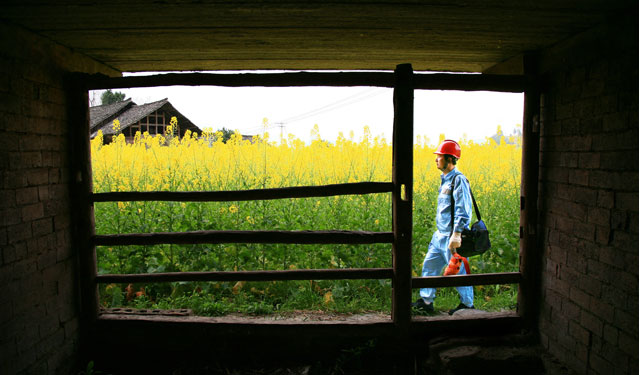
(236, 165)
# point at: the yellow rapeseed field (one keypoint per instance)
(205, 163)
(199, 163)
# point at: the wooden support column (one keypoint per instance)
(81, 186)
(402, 197)
(530, 252)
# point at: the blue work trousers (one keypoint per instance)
(436, 259)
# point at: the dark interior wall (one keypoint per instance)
(38, 303)
(589, 205)
(589, 187)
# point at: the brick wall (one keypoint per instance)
(38, 302)
(589, 183)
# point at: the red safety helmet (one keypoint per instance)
(449, 147)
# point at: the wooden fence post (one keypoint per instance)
(530, 254)
(402, 195)
(402, 206)
(81, 204)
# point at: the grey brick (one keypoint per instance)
(591, 322)
(26, 196)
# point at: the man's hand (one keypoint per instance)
(455, 241)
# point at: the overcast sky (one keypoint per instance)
(295, 110)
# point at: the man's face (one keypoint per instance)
(441, 162)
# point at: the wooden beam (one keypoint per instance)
(246, 195)
(465, 280)
(381, 79)
(470, 82)
(402, 198)
(81, 185)
(270, 275)
(530, 253)
(464, 82)
(274, 236)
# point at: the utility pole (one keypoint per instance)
(281, 126)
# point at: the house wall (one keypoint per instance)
(39, 325)
(589, 203)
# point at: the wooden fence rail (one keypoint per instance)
(247, 195)
(465, 280)
(270, 275)
(273, 236)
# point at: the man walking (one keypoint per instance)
(447, 237)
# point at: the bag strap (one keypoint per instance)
(453, 202)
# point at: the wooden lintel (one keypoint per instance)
(470, 82)
(336, 79)
(435, 81)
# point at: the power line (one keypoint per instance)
(351, 99)
(355, 98)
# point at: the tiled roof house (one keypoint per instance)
(150, 117)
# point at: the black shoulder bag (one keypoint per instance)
(475, 241)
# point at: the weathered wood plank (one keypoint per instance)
(465, 280)
(402, 198)
(245, 195)
(246, 79)
(270, 275)
(530, 253)
(285, 39)
(81, 185)
(458, 18)
(275, 236)
(466, 82)
(470, 82)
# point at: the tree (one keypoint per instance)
(110, 97)
(226, 134)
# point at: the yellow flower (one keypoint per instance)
(250, 220)
(237, 287)
(328, 298)
(233, 209)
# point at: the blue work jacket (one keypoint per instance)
(463, 204)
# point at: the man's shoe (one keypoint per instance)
(422, 306)
(460, 307)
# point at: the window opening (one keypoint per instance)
(300, 145)
(400, 272)
(488, 127)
